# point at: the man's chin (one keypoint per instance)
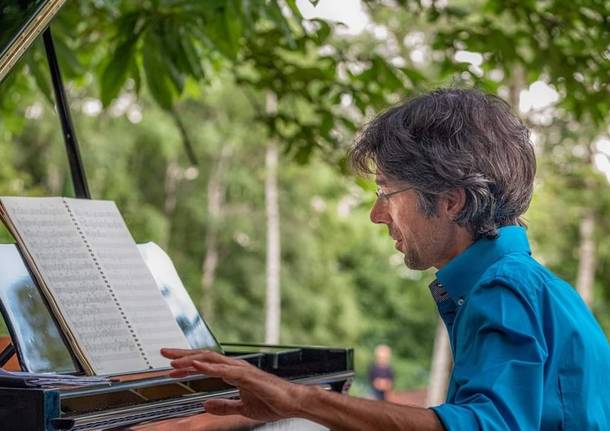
(415, 264)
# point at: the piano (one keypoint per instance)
(144, 401)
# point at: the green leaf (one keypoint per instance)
(274, 12)
(414, 75)
(176, 77)
(158, 76)
(137, 77)
(323, 32)
(303, 154)
(192, 57)
(292, 4)
(232, 18)
(174, 58)
(173, 49)
(224, 30)
(41, 78)
(116, 71)
(71, 66)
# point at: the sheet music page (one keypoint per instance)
(77, 289)
(121, 262)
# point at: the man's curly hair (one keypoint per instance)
(455, 138)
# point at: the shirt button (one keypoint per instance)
(460, 302)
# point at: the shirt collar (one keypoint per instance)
(462, 272)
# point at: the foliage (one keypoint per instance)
(169, 46)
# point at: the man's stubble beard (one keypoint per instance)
(413, 261)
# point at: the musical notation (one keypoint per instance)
(135, 287)
(95, 277)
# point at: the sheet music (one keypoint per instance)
(121, 262)
(78, 290)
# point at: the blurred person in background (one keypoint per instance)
(381, 373)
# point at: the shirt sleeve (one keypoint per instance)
(499, 361)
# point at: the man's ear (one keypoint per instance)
(453, 203)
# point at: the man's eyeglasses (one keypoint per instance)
(386, 196)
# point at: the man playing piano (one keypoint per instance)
(455, 172)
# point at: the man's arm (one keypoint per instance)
(343, 413)
(266, 397)
(382, 384)
(499, 361)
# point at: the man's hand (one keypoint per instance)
(382, 384)
(263, 396)
(267, 398)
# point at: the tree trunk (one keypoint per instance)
(173, 174)
(184, 137)
(586, 257)
(55, 179)
(273, 295)
(441, 367)
(215, 204)
(516, 84)
(586, 251)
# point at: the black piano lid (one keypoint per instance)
(21, 21)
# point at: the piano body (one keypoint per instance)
(39, 346)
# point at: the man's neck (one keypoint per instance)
(462, 239)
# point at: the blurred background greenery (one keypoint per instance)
(173, 103)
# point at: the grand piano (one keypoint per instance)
(144, 401)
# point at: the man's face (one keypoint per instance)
(382, 355)
(424, 241)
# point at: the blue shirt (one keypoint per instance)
(528, 353)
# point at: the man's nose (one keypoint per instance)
(379, 213)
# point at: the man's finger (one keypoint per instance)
(232, 375)
(193, 366)
(223, 407)
(171, 353)
(204, 356)
(235, 376)
(178, 353)
(183, 372)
